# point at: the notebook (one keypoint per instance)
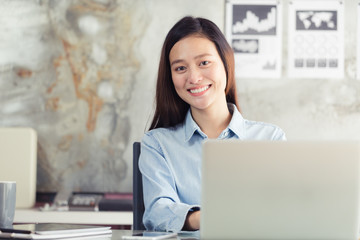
(55, 231)
(280, 190)
(18, 151)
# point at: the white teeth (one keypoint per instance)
(198, 90)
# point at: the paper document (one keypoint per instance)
(54, 231)
(316, 39)
(254, 30)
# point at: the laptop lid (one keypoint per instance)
(18, 148)
(280, 190)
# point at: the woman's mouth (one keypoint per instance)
(199, 90)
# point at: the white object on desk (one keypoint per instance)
(18, 148)
(74, 217)
(56, 231)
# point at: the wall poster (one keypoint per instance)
(253, 29)
(316, 39)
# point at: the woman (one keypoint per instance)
(195, 100)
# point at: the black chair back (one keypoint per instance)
(138, 200)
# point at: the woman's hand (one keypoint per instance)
(192, 221)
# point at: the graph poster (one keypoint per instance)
(316, 39)
(254, 28)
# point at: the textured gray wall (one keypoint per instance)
(82, 73)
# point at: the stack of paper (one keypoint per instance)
(55, 231)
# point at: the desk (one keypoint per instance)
(75, 217)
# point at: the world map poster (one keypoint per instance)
(316, 39)
(254, 28)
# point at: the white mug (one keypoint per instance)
(7, 203)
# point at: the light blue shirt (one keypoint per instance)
(170, 162)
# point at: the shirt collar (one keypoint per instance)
(191, 127)
(236, 125)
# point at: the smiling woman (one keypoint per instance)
(195, 100)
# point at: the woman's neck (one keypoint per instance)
(213, 120)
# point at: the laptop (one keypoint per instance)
(18, 151)
(280, 190)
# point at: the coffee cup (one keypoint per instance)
(7, 203)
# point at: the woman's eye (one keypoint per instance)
(182, 68)
(204, 63)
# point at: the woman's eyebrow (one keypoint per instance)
(203, 55)
(176, 61)
(196, 57)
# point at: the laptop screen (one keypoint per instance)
(280, 190)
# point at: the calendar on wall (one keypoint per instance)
(254, 30)
(316, 39)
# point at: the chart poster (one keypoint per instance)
(316, 39)
(358, 41)
(254, 30)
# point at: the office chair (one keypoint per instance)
(138, 200)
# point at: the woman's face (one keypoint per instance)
(197, 72)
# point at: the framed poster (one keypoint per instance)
(253, 29)
(316, 39)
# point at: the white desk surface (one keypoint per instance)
(73, 217)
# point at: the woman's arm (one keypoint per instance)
(163, 209)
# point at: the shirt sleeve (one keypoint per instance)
(279, 135)
(163, 209)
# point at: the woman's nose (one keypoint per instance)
(194, 76)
